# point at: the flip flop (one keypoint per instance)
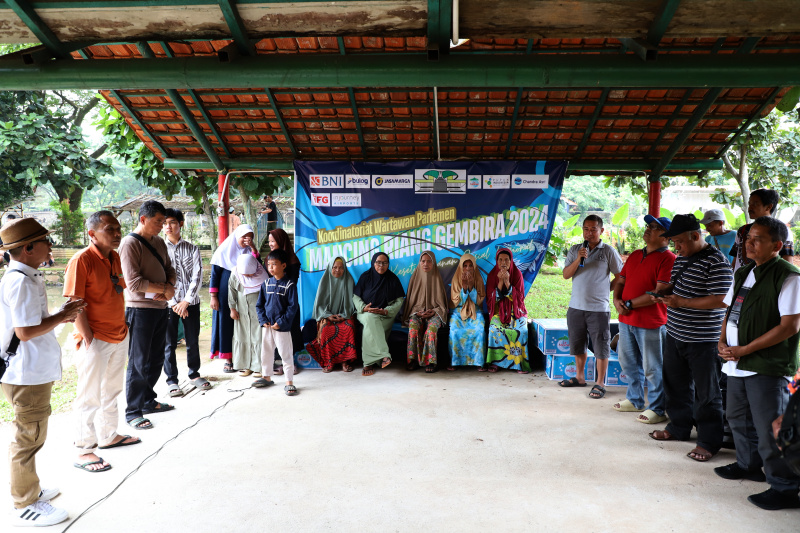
(136, 421)
(260, 383)
(571, 382)
(228, 368)
(492, 369)
(200, 383)
(121, 443)
(702, 454)
(667, 435)
(651, 417)
(290, 390)
(386, 362)
(626, 406)
(175, 390)
(245, 372)
(93, 471)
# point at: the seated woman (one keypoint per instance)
(333, 311)
(508, 328)
(425, 311)
(467, 325)
(378, 297)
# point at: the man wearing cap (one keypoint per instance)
(720, 238)
(642, 321)
(700, 279)
(149, 284)
(29, 347)
(94, 275)
(759, 343)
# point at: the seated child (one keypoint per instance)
(277, 305)
(244, 288)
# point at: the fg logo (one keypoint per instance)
(323, 199)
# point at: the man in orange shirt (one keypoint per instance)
(95, 275)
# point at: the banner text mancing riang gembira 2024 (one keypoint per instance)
(352, 210)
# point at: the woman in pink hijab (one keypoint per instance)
(508, 328)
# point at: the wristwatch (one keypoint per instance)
(628, 304)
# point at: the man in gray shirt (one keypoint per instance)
(589, 265)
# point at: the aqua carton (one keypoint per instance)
(560, 367)
(552, 335)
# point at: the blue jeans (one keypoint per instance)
(640, 356)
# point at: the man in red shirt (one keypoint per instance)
(94, 274)
(642, 322)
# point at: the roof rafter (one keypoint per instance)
(28, 15)
(235, 24)
(273, 104)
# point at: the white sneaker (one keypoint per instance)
(48, 494)
(39, 513)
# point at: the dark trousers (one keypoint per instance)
(753, 403)
(148, 335)
(191, 332)
(691, 385)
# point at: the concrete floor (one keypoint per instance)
(400, 451)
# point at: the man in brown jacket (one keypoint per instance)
(149, 279)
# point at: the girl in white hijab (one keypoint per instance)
(243, 290)
(223, 262)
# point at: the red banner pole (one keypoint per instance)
(224, 205)
(654, 198)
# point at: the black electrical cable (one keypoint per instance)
(152, 455)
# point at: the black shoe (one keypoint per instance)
(734, 471)
(775, 500)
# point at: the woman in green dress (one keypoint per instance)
(378, 297)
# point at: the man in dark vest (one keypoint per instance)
(759, 343)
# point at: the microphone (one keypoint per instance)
(583, 259)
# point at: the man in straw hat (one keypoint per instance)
(32, 354)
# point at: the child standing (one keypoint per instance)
(277, 307)
(244, 288)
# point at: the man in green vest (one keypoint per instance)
(759, 343)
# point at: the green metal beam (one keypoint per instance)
(353, 104)
(237, 28)
(602, 165)
(34, 23)
(138, 122)
(440, 26)
(679, 70)
(589, 127)
(749, 121)
(672, 118)
(274, 105)
(662, 20)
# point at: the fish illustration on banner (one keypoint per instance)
(354, 209)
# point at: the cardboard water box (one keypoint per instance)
(303, 359)
(560, 367)
(615, 377)
(551, 335)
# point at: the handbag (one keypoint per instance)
(11, 351)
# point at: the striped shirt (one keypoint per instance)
(185, 258)
(710, 275)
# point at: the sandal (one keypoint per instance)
(175, 390)
(200, 383)
(327, 369)
(700, 455)
(386, 362)
(597, 392)
(291, 390)
(98, 462)
(228, 368)
(493, 368)
(347, 367)
(261, 383)
(571, 382)
(368, 370)
(158, 407)
(245, 372)
(430, 369)
(662, 434)
(140, 423)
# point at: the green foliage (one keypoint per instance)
(796, 233)
(590, 193)
(13, 191)
(564, 236)
(732, 220)
(69, 225)
(41, 141)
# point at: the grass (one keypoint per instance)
(61, 401)
(549, 295)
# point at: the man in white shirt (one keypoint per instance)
(759, 342)
(33, 355)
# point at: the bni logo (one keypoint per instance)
(327, 182)
(321, 199)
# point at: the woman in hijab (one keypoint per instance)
(467, 325)
(508, 328)
(378, 297)
(223, 262)
(333, 311)
(244, 288)
(425, 311)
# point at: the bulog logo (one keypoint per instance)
(356, 181)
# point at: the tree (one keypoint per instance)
(41, 142)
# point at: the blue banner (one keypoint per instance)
(354, 209)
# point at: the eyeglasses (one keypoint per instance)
(48, 240)
(653, 226)
(382, 263)
(115, 281)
